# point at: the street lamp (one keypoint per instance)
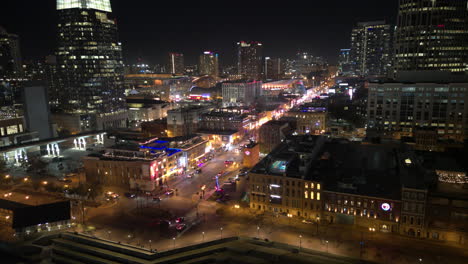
(326, 242)
(420, 259)
(221, 230)
(109, 234)
(258, 231)
(203, 236)
(151, 249)
(173, 239)
(300, 242)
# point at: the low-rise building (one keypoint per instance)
(23, 216)
(311, 119)
(185, 120)
(223, 128)
(145, 165)
(333, 180)
(242, 92)
(144, 109)
(272, 133)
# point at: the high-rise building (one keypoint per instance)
(273, 68)
(371, 48)
(209, 64)
(10, 55)
(249, 63)
(176, 63)
(344, 61)
(432, 35)
(89, 58)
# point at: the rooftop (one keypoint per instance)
(349, 167)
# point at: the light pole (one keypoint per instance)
(109, 234)
(173, 239)
(258, 231)
(317, 223)
(203, 236)
(151, 248)
(300, 242)
(326, 241)
(221, 230)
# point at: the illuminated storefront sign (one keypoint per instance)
(386, 207)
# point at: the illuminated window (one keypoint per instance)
(306, 185)
(318, 196)
(312, 195)
(312, 185)
(306, 194)
(318, 186)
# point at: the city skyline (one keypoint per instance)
(194, 30)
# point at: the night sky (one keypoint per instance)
(150, 29)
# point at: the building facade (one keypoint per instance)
(271, 135)
(371, 48)
(431, 36)
(241, 92)
(89, 59)
(209, 63)
(400, 108)
(184, 121)
(309, 119)
(249, 59)
(273, 68)
(176, 63)
(10, 54)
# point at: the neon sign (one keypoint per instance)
(385, 206)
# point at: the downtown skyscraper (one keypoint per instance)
(89, 59)
(371, 48)
(10, 55)
(432, 36)
(176, 63)
(209, 64)
(249, 59)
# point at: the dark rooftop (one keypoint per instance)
(349, 167)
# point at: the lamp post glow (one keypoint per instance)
(221, 230)
(326, 241)
(173, 239)
(300, 242)
(151, 248)
(203, 236)
(258, 231)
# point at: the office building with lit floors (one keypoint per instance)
(399, 109)
(89, 62)
(432, 36)
(249, 59)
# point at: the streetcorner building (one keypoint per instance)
(145, 165)
(89, 59)
(333, 180)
